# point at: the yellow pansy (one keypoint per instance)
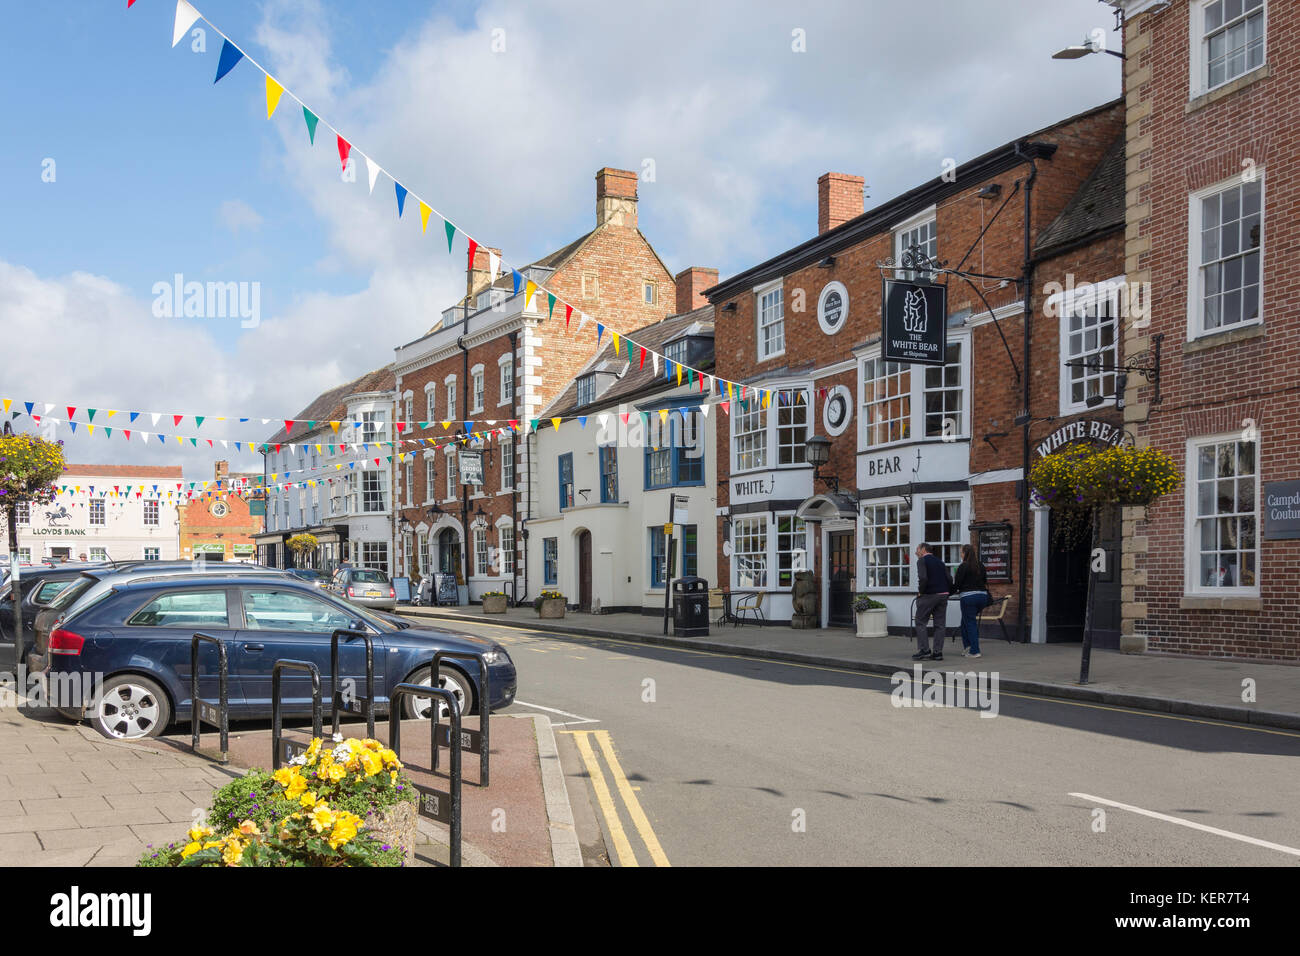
(335, 772)
(284, 775)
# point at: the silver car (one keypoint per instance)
(365, 587)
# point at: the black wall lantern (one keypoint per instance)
(817, 452)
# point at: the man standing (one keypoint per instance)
(933, 585)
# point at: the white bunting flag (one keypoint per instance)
(494, 265)
(704, 410)
(155, 416)
(655, 359)
(185, 17)
(372, 168)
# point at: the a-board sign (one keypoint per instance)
(447, 589)
(209, 714)
(471, 741)
(403, 588)
(434, 804)
(993, 545)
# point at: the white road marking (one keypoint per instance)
(1188, 823)
(578, 718)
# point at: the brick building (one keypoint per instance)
(218, 524)
(494, 361)
(1212, 93)
(924, 452)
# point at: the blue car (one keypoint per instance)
(123, 660)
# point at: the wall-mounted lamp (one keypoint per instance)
(991, 191)
(817, 452)
(826, 263)
(729, 307)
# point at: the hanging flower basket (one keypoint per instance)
(1082, 479)
(29, 468)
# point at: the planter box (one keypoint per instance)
(397, 826)
(495, 603)
(873, 623)
(551, 608)
(462, 595)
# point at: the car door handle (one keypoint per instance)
(254, 647)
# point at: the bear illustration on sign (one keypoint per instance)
(914, 317)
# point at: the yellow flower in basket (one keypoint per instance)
(322, 818)
(344, 830)
(296, 787)
(308, 799)
(190, 850)
(372, 763)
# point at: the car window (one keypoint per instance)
(73, 591)
(49, 590)
(184, 609)
(267, 610)
(366, 576)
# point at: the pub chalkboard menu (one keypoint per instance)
(447, 589)
(993, 545)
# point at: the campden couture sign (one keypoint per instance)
(1083, 429)
(915, 322)
(1281, 510)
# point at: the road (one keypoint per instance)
(694, 758)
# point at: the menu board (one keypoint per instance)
(447, 589)
(993, 545)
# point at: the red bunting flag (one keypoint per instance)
(643, 356)
(472, 247)
(726, 407)
(344, 148)
(568, 313)
(288, 427)
(71, 411)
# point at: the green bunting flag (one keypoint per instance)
(312, 119)
(550, 306)
(451, 231)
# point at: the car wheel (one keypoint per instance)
(449, 679)
(130, 707)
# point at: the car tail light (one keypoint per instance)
(352, 592)
(392, 592)
(66, 642)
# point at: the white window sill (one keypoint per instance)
(1240, 332)
(1243, 601)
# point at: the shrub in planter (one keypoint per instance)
(872, 617)
(344, 806)
(549, 604)
(495, 602)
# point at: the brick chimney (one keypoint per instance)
(691, 284)
(221, 470)
(480, 273)
(616, 197)
(839, 199)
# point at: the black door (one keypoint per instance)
(584, 571)
(1068, 567)
(840, 612)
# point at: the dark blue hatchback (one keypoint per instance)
(135, 642)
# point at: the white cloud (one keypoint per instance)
(235, 214)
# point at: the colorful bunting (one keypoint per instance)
(273, 91)
(230, 57)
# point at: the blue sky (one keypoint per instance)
(158, 171)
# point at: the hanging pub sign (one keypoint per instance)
(471, 467)
(915, 322)
(993, 546)
(1282, 514)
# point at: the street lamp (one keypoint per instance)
(1088, 46)
(817, 452)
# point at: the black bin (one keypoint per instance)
(691, 607)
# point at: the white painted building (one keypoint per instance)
(106, 512)
(595, 530)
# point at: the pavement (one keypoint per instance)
(1193, 687)
(70, 797)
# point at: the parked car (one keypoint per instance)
(310, 575)
(138, 638)
(93, 583)
(37, 586)
(365, 587)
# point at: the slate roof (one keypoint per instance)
(1098, 205)
(636, 382)
(330, 406)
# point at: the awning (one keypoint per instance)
(827, 507)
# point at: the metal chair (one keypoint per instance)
(717, 603)
(998, 615)
(751, 604)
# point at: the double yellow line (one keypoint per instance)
(622, 846)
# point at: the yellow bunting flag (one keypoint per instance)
(555, 423)
(445, 425)
(767, 399)
(335, 426)
(424, 215)
(615, 334)
(89, 428)
(273, 91)
(663, 415)
(529, 288)
(679, 373)
(8, 402)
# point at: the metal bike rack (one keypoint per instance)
(435, 804)
(475, 741)
(200, 710)
(337, 702)
(292, 749)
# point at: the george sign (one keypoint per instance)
(471, 741)
(1281, 510)
(1082, 429)
(434, 804)
(470, 465)
(915, 323)
(993, 547)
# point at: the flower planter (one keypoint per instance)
(551, 608)
(495, 603)
(874, 623)
(397, 826)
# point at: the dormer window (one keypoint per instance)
(586, 389)
(675, 352)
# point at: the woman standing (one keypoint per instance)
(971, 581)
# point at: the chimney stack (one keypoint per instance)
(616, 197)
(480, 273)
(221, 470)
(839, 199)
(691, 284)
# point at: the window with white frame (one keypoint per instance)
(430, 479)
(372, 426)
(675, 352)
(99, 554)
(771, 322)
(507, 368)
(1227, 233)
(507, 465)
(887, 545)
(481, 566)
(750, 441)
(374, 554)
(791, 549)
(23, 513)
(477, 390)
(1223, 515)
(430, 403)
(749, 551)
(1089, 347)
(791, 425)
(372, 493)
(942, 529)
(97, 511)
(943, 392)
(1229, 39)
(410, 483)
(451, 398)
(921, 232)
(25, 555)
(507, 535)
(453, 478)
(648, 292)
(407, 417)
(150, 554)
(886, 401)
(422, 547)
(586, 390)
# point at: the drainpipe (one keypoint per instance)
(1025, 379)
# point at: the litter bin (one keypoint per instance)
(691, 607)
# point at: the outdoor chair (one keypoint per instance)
(751, 604)
(989, 614)
(718, 604)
